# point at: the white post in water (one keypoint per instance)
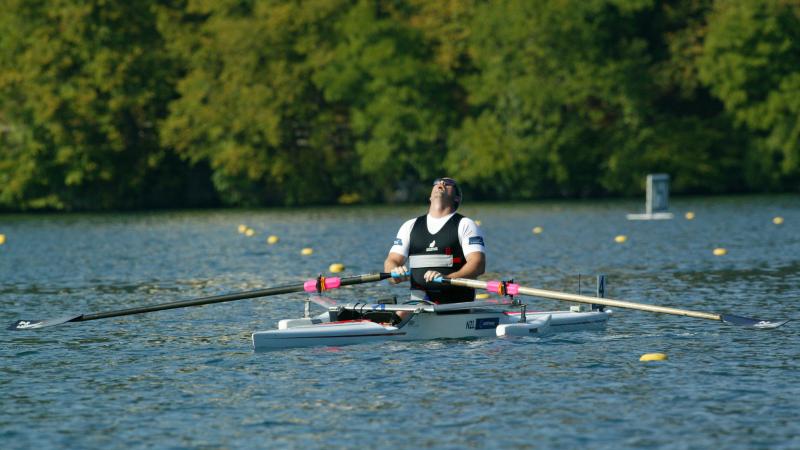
(657, 199)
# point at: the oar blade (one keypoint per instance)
(33, 324)
(740, 321)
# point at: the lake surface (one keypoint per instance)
(188, 378)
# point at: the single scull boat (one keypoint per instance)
(358, 323)
(370, 323)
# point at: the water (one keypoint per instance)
(188, 378)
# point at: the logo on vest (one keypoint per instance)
(432, 247)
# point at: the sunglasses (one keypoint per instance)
(446, 181)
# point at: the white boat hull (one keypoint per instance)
(319, 331)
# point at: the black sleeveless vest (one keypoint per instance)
(434, 252)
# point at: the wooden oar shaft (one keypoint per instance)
(555, 295)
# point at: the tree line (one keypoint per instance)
(114, 104)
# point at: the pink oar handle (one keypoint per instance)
(497, 286)
(326, 283)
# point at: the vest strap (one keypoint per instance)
(425, 261)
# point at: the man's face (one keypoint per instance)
(445, 189)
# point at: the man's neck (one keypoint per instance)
(439, 211)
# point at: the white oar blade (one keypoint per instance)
(33, 324)
(751, 323)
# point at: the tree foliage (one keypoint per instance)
(111, 104)
(751, 62)
(82, 87)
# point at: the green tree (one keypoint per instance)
(586, 97)
(559, 85)
(82, 87)
(398, 100)
(751, 62)
(687, 132)
(248, 106)
(111, 104)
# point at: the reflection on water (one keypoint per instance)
(187, 377)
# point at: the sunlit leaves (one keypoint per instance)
(751, 62)
(85, 83)
(110, 104)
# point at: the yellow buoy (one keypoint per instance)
(720, 251)
(478, 222)
(689, 215)
(2, 239)
(481, 296)
(537, 230)
(307, 251)
(336, 267)
(242, 228)
(272, 240)
(653, 357)
(620, 239)
(777, 220)
(249, 232)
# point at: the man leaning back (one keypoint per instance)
(440, 243)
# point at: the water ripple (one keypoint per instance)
(187, 378)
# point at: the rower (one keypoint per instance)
(440, 243)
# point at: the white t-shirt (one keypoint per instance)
(469, 234)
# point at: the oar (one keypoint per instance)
(515, 289)
(316, 285)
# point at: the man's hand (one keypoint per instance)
(396, 265)
(399, 274)
(431, 274)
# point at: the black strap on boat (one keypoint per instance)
(503, 289)
(320, 284)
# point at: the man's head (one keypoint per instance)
(447, 188)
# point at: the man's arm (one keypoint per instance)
(475, 266)
(395, 263)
